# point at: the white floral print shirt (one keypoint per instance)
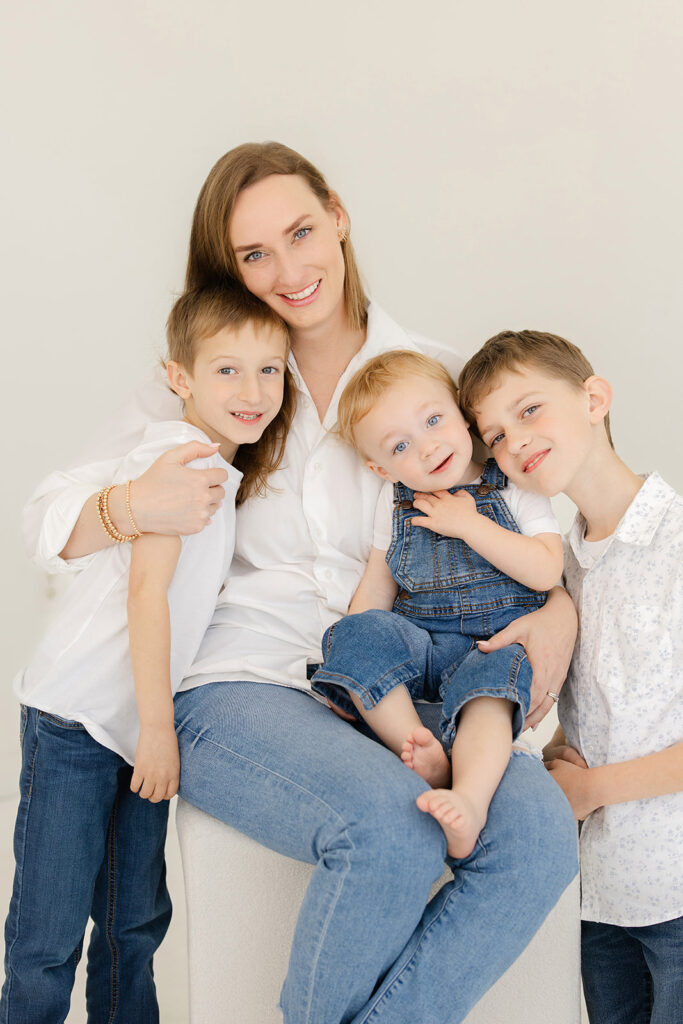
(624, 699)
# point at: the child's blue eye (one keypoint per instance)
(269, 370)
(530, 409)
(400, 447)
(302, 232)
(433, 420)
(495, 440)
(227, 370)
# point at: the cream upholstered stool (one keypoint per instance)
(242, 905)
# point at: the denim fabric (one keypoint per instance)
(633, 975)
(283, 769)
(450, 597)
(84, 845)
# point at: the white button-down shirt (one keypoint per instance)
(624, 699)
(81, 669)
(300, 551)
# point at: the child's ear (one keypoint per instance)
(178, 378)
(599, 393)
(379, 470)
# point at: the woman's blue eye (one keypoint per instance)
(254, 257)
(400, 447)
(302, 232)
(530, 409)
(433, 420)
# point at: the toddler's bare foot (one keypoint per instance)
(460, 819)
(424, 754)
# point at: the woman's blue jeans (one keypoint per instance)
(368, 947)
(84, 846)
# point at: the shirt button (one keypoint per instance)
(317, 467)
(328, 574)
(317, 532)
(483, 490)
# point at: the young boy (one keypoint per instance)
(97, 697)
(458, 554)
(618, 755)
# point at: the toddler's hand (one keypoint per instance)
(448, 514)
(157, 764)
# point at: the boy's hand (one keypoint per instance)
(574, 782)
(157, 764)
(451, 515)
(563, 752)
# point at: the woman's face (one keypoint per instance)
(287, 247)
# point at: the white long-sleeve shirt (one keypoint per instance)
(81, 669)
(300, 550)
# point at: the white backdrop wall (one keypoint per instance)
(505, 165)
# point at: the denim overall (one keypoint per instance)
(449, 598)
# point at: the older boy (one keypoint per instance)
(543, 412)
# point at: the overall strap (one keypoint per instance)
(403, 493)
(493, 476)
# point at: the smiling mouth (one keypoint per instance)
(442, 465)
(302, 296)
(247, 417)
(531, 464)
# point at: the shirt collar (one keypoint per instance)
(640, 521)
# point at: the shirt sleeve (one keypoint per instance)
(52, 510)
(384, 513)
(532, 512)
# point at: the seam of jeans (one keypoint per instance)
(373, 1010)
(63, 723)
(247, 760)
(332, 677)
(111, 911)
(20, 872)
(324, 929)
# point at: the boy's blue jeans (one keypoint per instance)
(368, 947)
(633, 975)
(84, 846)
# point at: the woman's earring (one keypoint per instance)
(342, 234)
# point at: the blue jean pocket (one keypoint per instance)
(63, 723)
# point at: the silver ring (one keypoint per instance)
(553, 696)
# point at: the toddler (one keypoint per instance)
(458, 553)
(618, 754)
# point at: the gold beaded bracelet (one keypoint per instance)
(106, 520)
(129, 510)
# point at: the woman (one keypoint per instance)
(270, 760)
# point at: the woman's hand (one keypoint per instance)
(172, 499)
(547, 636)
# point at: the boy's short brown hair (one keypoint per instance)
(199, 314)
(203, 312)
(375, 377)
(510, 350)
